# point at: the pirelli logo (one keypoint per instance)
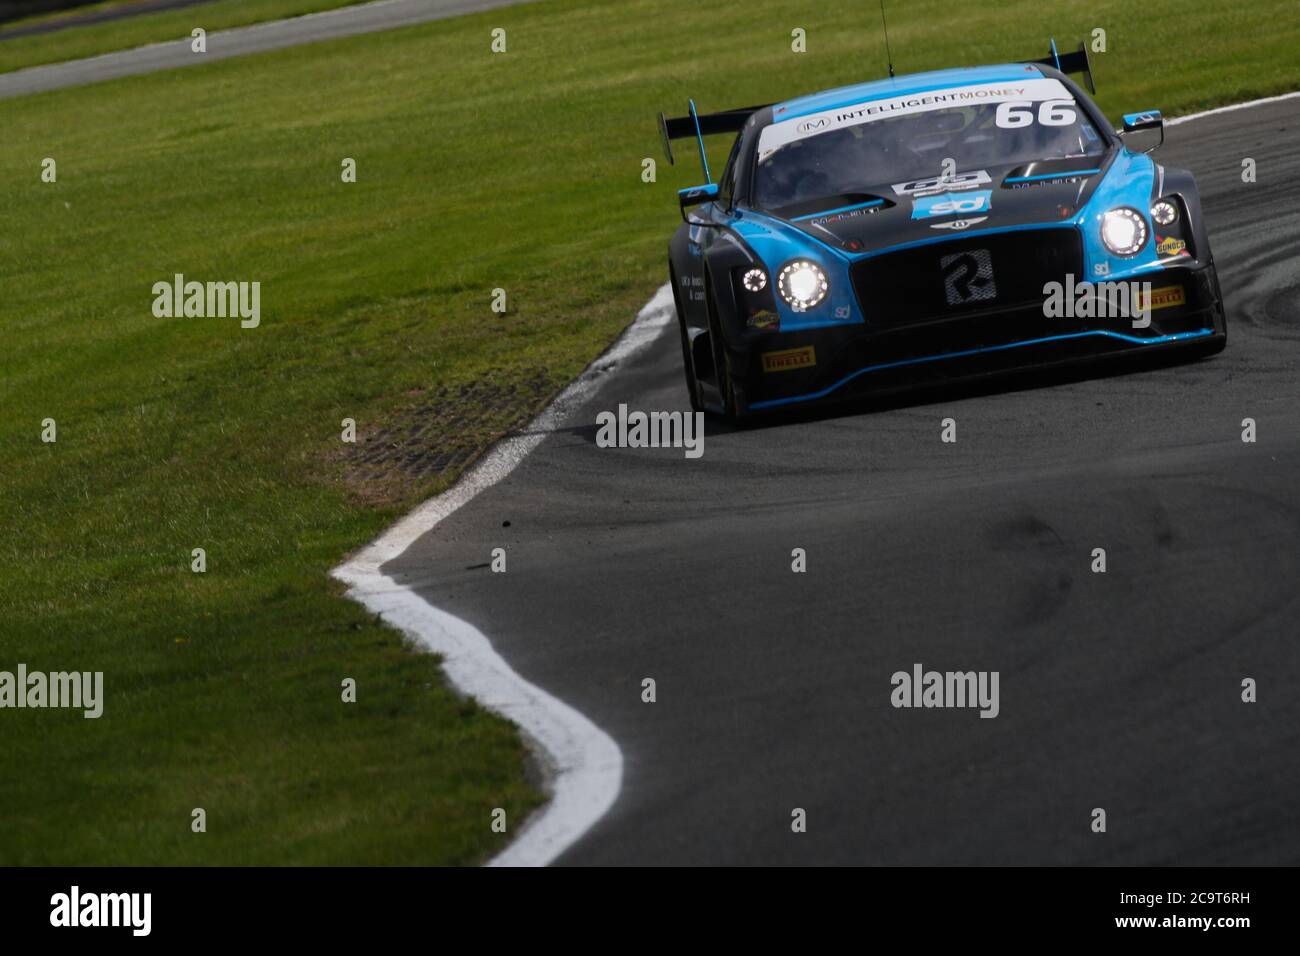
(1162, 298)
(788, 359)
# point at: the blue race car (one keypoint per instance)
(928, 228)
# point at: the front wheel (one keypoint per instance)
(730, 404)
(1218, 294)
(688, 366)
(722, 363)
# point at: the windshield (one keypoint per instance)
(861, 149)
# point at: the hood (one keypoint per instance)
(895, 213)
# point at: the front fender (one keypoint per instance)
(1181, 183)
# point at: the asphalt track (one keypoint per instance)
(1118, 690)
(240, 41)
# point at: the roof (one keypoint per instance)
(902, 86)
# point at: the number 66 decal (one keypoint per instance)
(1017, 113)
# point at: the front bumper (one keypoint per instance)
(782, 369)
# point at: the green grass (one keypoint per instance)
(476, 171)
(92, 39)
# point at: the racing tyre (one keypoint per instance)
(688, 366)
(722, 362)
(1217, 343)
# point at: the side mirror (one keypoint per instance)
(694, 195)
(1146, 121)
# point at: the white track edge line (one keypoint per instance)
(1232, 107)
(585, 764)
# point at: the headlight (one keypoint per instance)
(755, 280)
(802, 284)
(1124, 231)
(1164, 212)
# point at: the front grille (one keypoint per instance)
(963, 276)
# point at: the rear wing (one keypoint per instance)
(1076, 62)
(701, 125)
